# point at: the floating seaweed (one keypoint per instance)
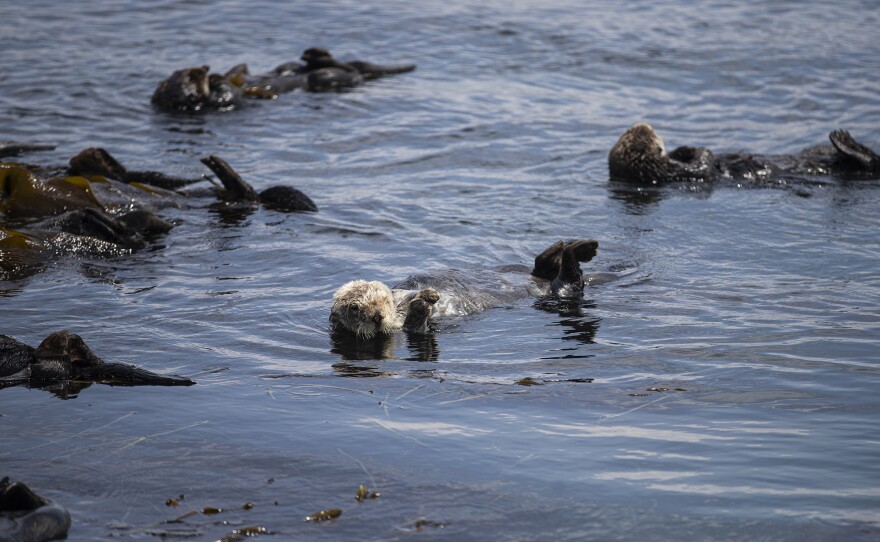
(363, 494)
(325, 515)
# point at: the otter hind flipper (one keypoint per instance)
(849, 147)
(570, 281)
(231, 180)
(547, 263)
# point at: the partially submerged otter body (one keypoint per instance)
(196, 89)
(639, 157)
(368, 309)
(98, 208)
(28, 517)
(64, 357)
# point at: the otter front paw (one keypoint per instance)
(418, 317)
(430, 295)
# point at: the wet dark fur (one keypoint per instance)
(639, 157)
(64, 356)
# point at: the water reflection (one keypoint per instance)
(232, 214)
(577, 326)
(67, 389)
(422, 347)
(353, 348)
(642, 200)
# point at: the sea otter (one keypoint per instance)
(370, 308)
(196, 89)
(640, 157)
(28, 517)
(64, 357)
(98, 208)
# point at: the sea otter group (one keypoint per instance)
(96, 206)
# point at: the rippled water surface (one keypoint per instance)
(755, 311)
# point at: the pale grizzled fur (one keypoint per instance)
(370, 308)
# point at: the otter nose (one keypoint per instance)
(377, 317)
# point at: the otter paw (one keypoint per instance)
(584, 250)
(430, 295)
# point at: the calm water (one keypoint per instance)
(761, 306)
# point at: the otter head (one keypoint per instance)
(186, 89)
(317, 58)
(364, 308)
(639, 156)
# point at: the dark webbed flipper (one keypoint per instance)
(560, 263)
(547, 263)
(850, 148)
(570, 278)
(281, 198)
(232, 181)
(418, 317)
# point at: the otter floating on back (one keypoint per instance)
(196, 89)
(370, 308)
(639, 156)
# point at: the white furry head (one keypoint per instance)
(365, 309)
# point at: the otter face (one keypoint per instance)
(186, 89)
(364, 308)
(639, 155)
(642, 139)
(314, 55)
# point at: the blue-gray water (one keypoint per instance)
(763, 305)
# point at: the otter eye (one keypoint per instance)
(353, 309)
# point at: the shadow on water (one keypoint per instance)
(422, 347)
(577, 323)
(231, 215)
(67, 389)
(643, 200)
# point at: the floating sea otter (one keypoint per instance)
(96, 207)
(640, 157)
(63, 358)
(196, 89)
(370, 308)
(28, 517)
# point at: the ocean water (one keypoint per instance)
(717, 381)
